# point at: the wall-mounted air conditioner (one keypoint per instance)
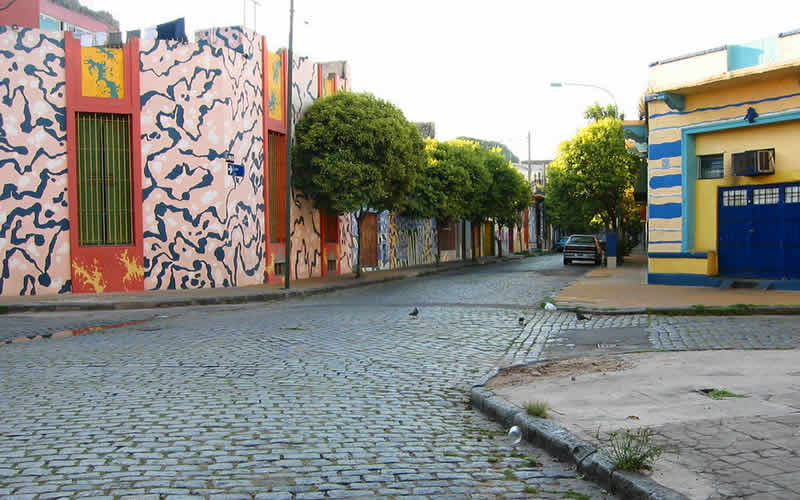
(755, 162)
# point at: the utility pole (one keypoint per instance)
(289, 130)
(529, 156)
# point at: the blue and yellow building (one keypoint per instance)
(724, 166)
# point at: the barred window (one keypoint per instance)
(765, 196)
(792, 194)
(105, 215)
(734, 198)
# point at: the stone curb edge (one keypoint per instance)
(565, 446)
(684, 311)
(231, 299)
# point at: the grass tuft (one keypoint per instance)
(509, 475)
(536, 409)
(574, 495)
(722, 394)
(633, 450)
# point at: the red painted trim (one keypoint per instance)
(69, 16)
(106, 258)
(335, 83)
(23, 13)
(320, 81)
(265, 142)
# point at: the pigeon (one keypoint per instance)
(549, 306)
(515, 433)
(521, 320)
(414, 313)
(581, 317)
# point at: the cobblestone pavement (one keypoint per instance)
(33, 324)
(335, 396)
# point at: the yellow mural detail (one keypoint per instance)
(328, 88)
(91, 275)
(275, 71)
(102, 72)
(133, 270)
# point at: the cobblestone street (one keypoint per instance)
(334, 396)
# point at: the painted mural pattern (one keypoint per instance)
(275, 98)
(201, 102)
(348, 243)
(102, 72)
(405, 241)
(34, 217)
(307, 260)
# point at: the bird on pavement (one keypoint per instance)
(550, 307)
(414, 313)
(581, 317)
(521, 320)
(515, 433)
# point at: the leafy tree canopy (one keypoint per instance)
(445, 187)
(509, 193)
(597, 170)
(596, 112)
(355, 151)
(489, 145)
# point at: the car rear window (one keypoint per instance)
(581, 240)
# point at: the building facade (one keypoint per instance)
(161, 165)
(723, 182)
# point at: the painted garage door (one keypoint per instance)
(759, 231)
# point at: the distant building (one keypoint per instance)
(723, 181)
(534, 171)
(427, 129)
(57, 15)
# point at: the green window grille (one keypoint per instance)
(105, 215)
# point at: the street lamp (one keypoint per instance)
(288, 244)
(573, 84)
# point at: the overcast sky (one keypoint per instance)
(483, 68)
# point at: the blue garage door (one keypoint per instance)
(759, 231)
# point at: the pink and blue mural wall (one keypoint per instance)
(199, 115)
(201, 109)
(34, 207)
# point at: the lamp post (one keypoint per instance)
(590, 85)
(289, 127)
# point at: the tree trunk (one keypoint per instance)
(359, 220)
(499, 243)
(463, 239)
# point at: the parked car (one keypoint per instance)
(582, 247)
(559, 246)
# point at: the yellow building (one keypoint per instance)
(723, 167)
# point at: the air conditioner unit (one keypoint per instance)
(756, 162)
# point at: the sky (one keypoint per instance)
(483, 68)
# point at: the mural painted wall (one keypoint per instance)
(201, 102)
(102, 72)
(275, 98)
(307, 259)
(405, 241)
(34, 216)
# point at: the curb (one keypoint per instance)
(747, 310)
(269, 296)
(559, 442)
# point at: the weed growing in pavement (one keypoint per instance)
(532, 462)
(722, 394)
(536, 409)
(702, 310)
(633, 450)
(531, 490)
(574, 495)
(509, 475)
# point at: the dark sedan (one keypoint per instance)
(582, 247)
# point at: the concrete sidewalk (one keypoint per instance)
(624, 289)
(742, 446)
(230, 295)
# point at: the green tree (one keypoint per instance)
(596, 112)
(489, 145)
(564, 208)
(357, 153)
(509, 193)
(597, 171)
